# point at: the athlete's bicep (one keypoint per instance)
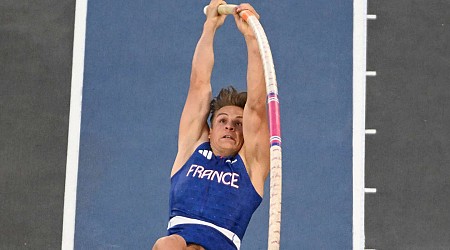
(256, 139)
(193, 126)
(195, 114)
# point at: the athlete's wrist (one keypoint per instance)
(210, 25)
(251, 41)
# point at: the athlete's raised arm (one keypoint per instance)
(255, 125)
(193, 127)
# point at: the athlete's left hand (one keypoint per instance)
(242, 25)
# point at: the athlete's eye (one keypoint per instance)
(238, 124)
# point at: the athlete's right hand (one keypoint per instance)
(213, 16)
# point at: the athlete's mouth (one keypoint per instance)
(228, 137)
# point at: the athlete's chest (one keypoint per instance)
(204, 165)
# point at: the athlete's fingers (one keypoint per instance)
(213, 14)
(246, 6)
(212, 9)
(214, 4)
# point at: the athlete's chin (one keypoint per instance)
(229, 143)
(230, 147)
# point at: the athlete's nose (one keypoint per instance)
(229, 126)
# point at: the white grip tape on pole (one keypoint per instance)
(225, 9)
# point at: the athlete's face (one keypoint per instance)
(226, 136)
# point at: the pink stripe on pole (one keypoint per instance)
(274, 119)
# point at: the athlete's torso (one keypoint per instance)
(214, 189)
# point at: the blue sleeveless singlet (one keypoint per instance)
(214, 190)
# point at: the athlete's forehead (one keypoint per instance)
(230, 115)
(231, 111)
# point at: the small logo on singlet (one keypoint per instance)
(226, 178)
(206, 153)
(229, 161)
